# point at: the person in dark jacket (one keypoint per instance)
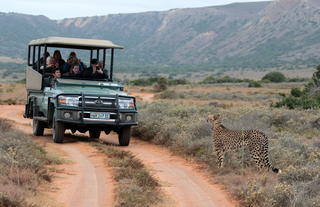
(71, 61)
(75, 72)
(94, 71)
(58, 59)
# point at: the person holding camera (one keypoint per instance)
(94, 71)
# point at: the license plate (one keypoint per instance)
(99, 115)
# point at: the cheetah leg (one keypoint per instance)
(220, 155)
(256, 157)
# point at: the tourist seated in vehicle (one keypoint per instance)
(58, 59)
(94, 71)
(73, 60)
(100, 65)
(51, 64)
(42, 60)
(55, 74)
(74, 73)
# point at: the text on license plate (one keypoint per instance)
(99, 115)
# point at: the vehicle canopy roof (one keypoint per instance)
(75, 43)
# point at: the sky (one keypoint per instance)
(59, 9)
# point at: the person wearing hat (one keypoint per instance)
(94, 71)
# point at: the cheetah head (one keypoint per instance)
(213, 119)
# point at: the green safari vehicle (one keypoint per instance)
(77, 103)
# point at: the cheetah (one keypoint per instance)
(225, 140)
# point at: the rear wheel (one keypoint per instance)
(57, 132)
(94, 134)
(124, 136)
(37, 127)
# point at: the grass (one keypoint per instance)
(135, 186)
(12, 94)
(23, 167)
(184, 130)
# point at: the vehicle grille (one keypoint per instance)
(98, 102)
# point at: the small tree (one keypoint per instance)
(296, 92)
(161, 84)
(275, 77)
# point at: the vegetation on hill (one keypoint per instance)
(217, 38)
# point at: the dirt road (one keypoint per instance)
(183, 183)
(84, 181)
(87, 182)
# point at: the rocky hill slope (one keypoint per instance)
(281, 33)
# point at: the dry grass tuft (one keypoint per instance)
(23, 167)
(136, 187)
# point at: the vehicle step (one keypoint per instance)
(40, 118)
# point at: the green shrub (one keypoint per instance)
(254, 84)
(308, 98)
(161, 84)
(276, 77)
(296, 92)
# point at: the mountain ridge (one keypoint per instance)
(255, 35)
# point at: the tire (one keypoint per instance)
(37, 127)
(124, 136)
(57, 132)
(94, 134)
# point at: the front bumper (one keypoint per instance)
(97, 110)
(115, 118)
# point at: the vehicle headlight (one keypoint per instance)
(68, 100)
(127, 103)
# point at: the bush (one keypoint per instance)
(168, 94)
(309, 98)
(276, 77)
(153, 80)
(303, 102)
(224, 79)
(254, 84)
(161, 85)
(296, 92)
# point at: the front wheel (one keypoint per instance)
(124, 136)
(37, 127)
(57, 132)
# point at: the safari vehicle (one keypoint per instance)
(78, 104)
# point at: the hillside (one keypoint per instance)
(259, 35)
